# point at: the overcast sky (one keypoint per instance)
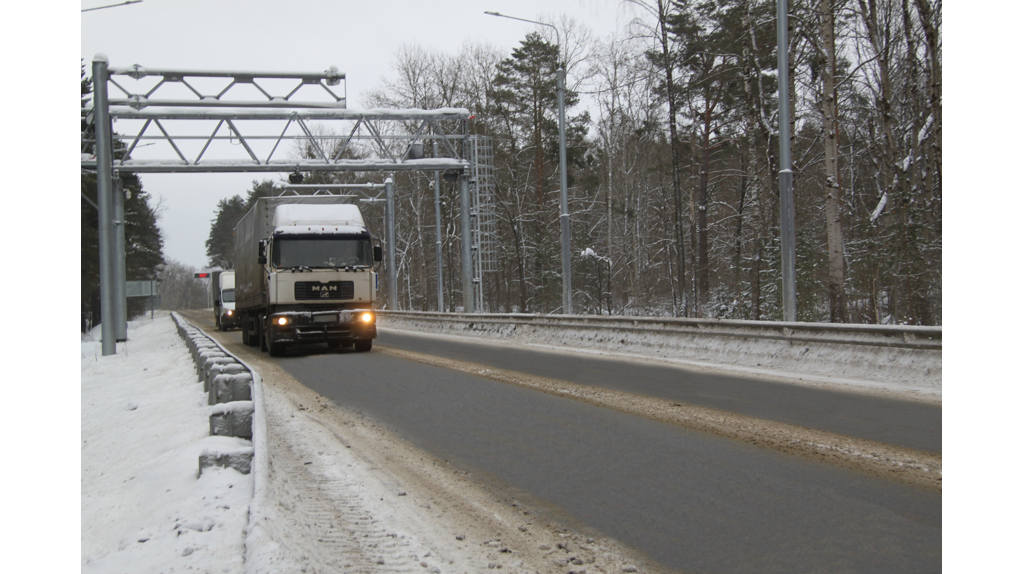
(359, 37)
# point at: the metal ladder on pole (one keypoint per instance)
(483, 213)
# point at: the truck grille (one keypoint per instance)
(314, 290)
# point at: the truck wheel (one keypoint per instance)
(276, 349)
(364, 345)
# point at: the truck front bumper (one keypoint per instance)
(323, 326)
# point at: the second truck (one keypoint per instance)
(304, 274)
(222, 286)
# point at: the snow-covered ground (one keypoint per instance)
(145, 508)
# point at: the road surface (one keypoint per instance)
(690, 501)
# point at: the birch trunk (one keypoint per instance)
(834, 188)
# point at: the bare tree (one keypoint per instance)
(180, 289)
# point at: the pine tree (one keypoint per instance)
(220, 247)
(524, 113)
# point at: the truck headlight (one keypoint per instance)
(366, 317)
(230, 313)
(281, 321)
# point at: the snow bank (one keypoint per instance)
(145, 507)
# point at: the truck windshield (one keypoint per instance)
(322, 252)
(228, 295)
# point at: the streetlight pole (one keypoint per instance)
(785, 173)
(564, 195)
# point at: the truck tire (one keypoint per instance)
(363, 345)
(276, 349)
(245, 331)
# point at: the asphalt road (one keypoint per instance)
(901, 423)
(692, 502)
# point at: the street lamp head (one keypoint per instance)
(558, 36)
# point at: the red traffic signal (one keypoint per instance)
(202, 275)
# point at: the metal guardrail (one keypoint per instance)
(895, 336)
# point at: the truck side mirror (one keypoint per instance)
(262, 257)
(378, 254)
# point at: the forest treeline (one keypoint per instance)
(673, 164)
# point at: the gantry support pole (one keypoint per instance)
(467, 244)
(439, 242)
(120, 297)
(389, 234)
(104, 174)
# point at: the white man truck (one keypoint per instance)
(223, 285)
(304, 274)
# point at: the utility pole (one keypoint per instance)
(786, 210)
(564, 199)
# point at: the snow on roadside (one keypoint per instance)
(144, 424)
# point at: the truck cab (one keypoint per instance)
(307, 264)
(224, 305)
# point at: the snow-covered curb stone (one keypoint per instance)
(217, 369)
(232, 419)
(260, 546)
(231, 413)
(230, 387)
(239, 459)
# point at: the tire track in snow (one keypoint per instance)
(332, 524)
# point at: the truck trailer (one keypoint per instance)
(224, 300)
(304, 273)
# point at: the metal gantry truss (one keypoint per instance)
(202, 121)
(208, 132)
